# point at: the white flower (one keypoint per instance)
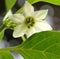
(29, 22)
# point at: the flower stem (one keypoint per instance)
(23, 38)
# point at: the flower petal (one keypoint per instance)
(28, 9)
(30, 32)
(40, 15)
(19, 31)
(17, 18)
(42, 26)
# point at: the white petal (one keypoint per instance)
(19, 31)
(8, 14)
(28, 9)
(30, 32)
(40, 15)
(42, 26)
(17, 18)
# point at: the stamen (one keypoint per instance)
(29, 21)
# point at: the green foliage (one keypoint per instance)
(55, 2)
(2, 29)
(9, 4)
(1, 34)
(6, 55)
(43, 45)
(33, 1)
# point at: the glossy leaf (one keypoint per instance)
(6, 55)
(9, 4)
(43, 45)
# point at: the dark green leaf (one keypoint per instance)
(43, 45)
(6, 55)
(9, 4)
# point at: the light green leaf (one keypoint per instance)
(33, 1)
(6, 55)
(9, 4)
(55, 2)
(44, 45)
(2, 29)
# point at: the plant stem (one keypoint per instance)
(23, 38)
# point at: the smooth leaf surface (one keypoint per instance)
(6, 55)
(43, 45)
(9, 4)
(33, 1)
(55, 2)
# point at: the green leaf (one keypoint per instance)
(43, 45)
(6, 55)
(2, 29)
(33, 1)
(55, 2)
(1, 34)
(9, 4)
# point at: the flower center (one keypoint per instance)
(30, 22)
